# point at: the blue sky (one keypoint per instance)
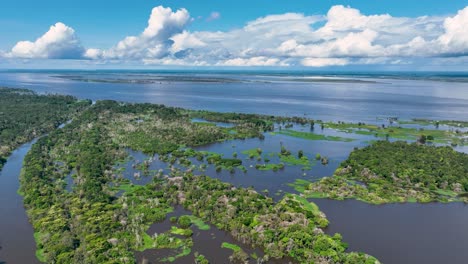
(100, 25)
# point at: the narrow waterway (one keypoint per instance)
(17, 243)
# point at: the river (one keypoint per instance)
(346, 98)
(16, 233)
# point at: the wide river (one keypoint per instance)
(395, 233)
(345, 98)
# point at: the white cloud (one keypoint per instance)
(254, 61)
(184, 41)
(455, 38)
(341, 37)
(154, 42)
(322, 62)
(60, 42)
(93, 53)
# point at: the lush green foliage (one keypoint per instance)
(291, 228)
(25, 115)
(104, 219)
(398, 172)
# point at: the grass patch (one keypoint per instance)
(403, 133)
(128, 188)
(148, 242)
(269, 166)
(185, 252)
(299, 185)
(312, 136)
(252, 153)
(446, 193)
(199, 223)
(306, 205)
(293, 160)
(233, 247)
(181, 231)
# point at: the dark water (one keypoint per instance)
(346, 98)
(16, 233)
(402, 233)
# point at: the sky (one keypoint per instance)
(297, 34)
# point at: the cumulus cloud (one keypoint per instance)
(154, 42)
(184, 41)
(455, 38)
(60, 42)
(342, 36)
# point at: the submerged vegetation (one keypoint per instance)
(433, 135)
(312, 136)
(104, 217)
(95, 224)
(397, 172)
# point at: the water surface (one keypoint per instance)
(352, 98)
(17, 243)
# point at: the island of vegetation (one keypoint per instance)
(387, 172)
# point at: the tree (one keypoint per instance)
(300, 154)
(184, 221)
(422, 139)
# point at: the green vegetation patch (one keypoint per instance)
(199, 223)
(397, 172)
(293, 160)
(300, 185)
(312, 136)
(181, 231)
(270, 166)
(128, 187)
(233, 247)
(455, 137)
(253, 153)
(39, 250)
(309, 206)
(435, 123)
(185, 252)
(26, 115)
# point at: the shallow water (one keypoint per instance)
(17, 243)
